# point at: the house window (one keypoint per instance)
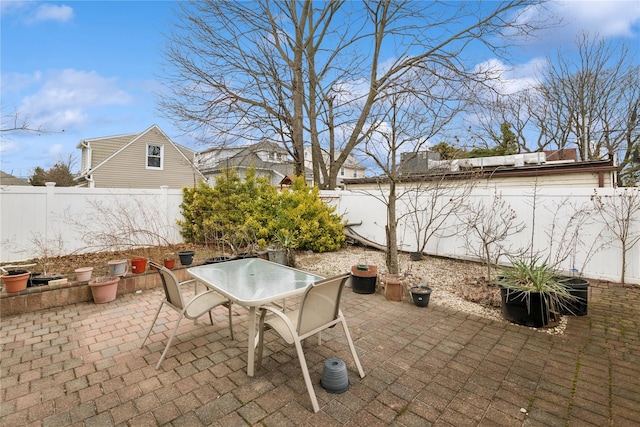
(154, 156)
(342, 172)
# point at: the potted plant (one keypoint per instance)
(104, 289)
(282, 251)
(186, 257)
(363, 278)
(83, 274)
(15, 280)
(169, 260)
(421, 295)
(393, 286)
(118, 267)
(530, 291)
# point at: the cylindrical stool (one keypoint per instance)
(334, 376)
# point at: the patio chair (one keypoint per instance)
(192, 309)
(319, 309)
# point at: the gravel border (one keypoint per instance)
(444, 275)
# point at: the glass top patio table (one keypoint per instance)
(253, 281)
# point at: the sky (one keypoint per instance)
(87, 69)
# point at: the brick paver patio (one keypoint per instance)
(82, 365)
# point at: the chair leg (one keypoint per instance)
(229, 304)
(152, 324)
(260, 337)
(175, 329)
(307, 377)
(351, 346)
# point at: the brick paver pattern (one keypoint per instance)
(83, 365)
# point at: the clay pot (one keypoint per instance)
(16, 281)
(104, 289)
(393, 287)
(83, 274)
(138, 265)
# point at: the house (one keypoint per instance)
(518, 170)
(8, 179)
(148, 159)
(268, 158)
(350, 169)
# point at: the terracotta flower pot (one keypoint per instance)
(393, 287)
(16, 282)
(138, 265)
(169, 263)
(83, 274)
(104, 289)
(363, 279)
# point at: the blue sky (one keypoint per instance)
(85, 69)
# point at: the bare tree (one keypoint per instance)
(620, 215)
(302, 71)
(429, 205)
(594, 102)
(488, 226)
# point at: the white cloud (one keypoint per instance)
(66, 97)
(512, 79)
(613, 18)
(48, 12)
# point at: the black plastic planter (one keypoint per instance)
(364, 279)
(524, 308)
(186, 257)
(579, 289)
(421, 295)
(217, 259)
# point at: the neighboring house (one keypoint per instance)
(350, 169)
(518, 170)
(268, 158)
(7, 179)
(138, 160)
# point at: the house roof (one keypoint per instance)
(545, 169)
(129, 139)
(8, 179)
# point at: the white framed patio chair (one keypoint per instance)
(319, 309)
(192, 309)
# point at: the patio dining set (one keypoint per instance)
(259, 285)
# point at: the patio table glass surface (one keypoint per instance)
(253, 282)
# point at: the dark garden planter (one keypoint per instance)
(39, 280)
(278, 256)
(524, 308)
(364, 278)
(421, 295)
(186, 257)
(416, 256)
(216, 259)
(579, 289)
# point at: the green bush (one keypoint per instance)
(243, 212)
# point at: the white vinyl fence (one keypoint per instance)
(63, 220)
(563, 227)
(52, 221)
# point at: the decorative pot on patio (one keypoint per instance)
(364, 278)
(420, 295)
(524, 308)
(104, 289)
(138, 265)
(579, 289)
(392, 286)
(118, 267)
(186, 257)
(169, 260)
(16, 280)
(83, 274)
(37, 279)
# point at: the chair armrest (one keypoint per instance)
(186, 282)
